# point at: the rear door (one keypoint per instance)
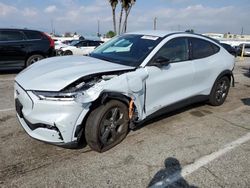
(207, 63)
(90, 46)
(81, 48)
(12, 49)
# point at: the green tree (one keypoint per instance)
(110, 34)
(113, 4)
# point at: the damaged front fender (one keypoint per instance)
(130, 84)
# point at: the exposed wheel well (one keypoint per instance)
(228, 74)
(102, 99)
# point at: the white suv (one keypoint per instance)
(99, 97)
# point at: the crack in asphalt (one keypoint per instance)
(231, 123)
(215, 176)
(6, 118)
(11, 171)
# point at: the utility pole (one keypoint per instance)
(155, 20)
(52, 26)
(98, 28)
(242, 31)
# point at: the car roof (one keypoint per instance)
(16, 29)
(163, 33)
(157, 33)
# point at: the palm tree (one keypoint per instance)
(113, 4)
(121, 15)
(127, 5)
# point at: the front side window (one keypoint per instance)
(202, 48)
(11, 36)
(175, 50)
(130, 49)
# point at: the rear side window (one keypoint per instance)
(11, 36)
(82, 44)
(202, 48)
(93, 43)
(32, 35)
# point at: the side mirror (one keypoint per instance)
(160, 61)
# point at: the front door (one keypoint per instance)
(172, 82)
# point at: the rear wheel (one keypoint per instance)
(107, 126)
(219, 91)
(32, 59)
(68, 52)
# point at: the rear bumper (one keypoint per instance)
(52, 52)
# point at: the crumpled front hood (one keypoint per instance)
(54, 74)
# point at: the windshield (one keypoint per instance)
(128, 50)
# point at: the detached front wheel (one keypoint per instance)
(107, 126)
(219, 91)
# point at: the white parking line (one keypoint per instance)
(6, 109)
(187, 170)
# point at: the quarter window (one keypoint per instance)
(202, 48)
(11, 36)
(175, 50)
(33, 35)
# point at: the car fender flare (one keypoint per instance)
(106, 96)
(227, 73)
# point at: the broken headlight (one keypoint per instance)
(67, 94)
(55, 96)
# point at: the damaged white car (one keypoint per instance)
(100, 97)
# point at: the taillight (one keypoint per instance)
(51, 41)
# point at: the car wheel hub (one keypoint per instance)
(112, 125)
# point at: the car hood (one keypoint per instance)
(54, 74)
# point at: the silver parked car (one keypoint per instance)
(122, 82)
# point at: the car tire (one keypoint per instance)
(219, 91)
(107, 126)
(34, 58)
(68, 52)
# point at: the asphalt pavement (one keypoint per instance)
(197, 146)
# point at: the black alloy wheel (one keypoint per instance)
(219, 91)
(107, 125)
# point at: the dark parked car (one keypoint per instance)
(230, 49)
(21, 47)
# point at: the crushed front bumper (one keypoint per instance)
(50, 121)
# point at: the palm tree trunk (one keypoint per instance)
(114, 20)
(124, 30)
(120, 20)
